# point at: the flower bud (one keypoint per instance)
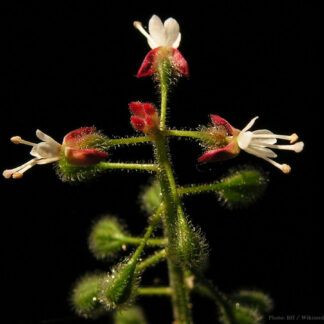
(241, 187)
(133, 315)
(83, 147)
(106, 238)
(151, 197)
(119, 287)
(237, 314)
(85, 296)
(253, 299)
(146, 118)
(191, 248)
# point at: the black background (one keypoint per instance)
(72, 64)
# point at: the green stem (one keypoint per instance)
(180, 294)
(152, 260)
(128, 140)
(209, 187)
(159, 291)
(182, 133)
(127, 166)
(155, 220)
(150, 242)
(163, 75)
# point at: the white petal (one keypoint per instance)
(172, 30)
(42, 136)
(177, 41)
(49, 160)
(244, 139)
(263, 151)
(260, 140)
(45, 150)
(156, 29)
(250, 124)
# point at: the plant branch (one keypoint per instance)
(158, 291)
(151, 260)
(127, 166)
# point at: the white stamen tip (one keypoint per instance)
(293, 138)
(298, 147)
(15, 139)
(7, 174)
(17, 175)
(285, 168)
(137, 24)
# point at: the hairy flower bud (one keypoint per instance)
(146, 118)
(119, 286)
(106, 238)
(85, 296)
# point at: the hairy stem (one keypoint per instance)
(127, 140)
(159, 291)
(128, 166)
(183, 133)
(180, 293)
(150, 242)
(152, 260)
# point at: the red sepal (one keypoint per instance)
(180, 63)
(137, 108)
(148, 67)
(84, 157)
(74, 137)
(220, 154)
(219, 121)
(138, 122)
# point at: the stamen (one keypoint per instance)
(297, 147)
(138, 25)
(285, 168)
(292, 138)
(15, 173)
(19, 140)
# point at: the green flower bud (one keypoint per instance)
(191, 248)
(237, 314)
(85, 296)
(119, 287)
(133, 315)
(255, 299)
(151, 197)
(106, 237)
(241, 187)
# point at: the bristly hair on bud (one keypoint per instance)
(106, 237)
(85, 296)
(146, 117)
(119, 287)
(74, 174)
(192, 247)
(242, 186)
(151, 197)
(132, 315)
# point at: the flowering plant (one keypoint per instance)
(85, 152)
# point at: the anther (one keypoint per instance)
(15, 139)
(285, 168)
(293, 138)
(17, 175)
(298, 147)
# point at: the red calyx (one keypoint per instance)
(155, 56)
(146, 118)
(84, 157)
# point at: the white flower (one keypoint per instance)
(161, 35)
(260, 143)
(47, 151)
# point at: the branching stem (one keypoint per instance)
(128, 166)
(158, 291)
